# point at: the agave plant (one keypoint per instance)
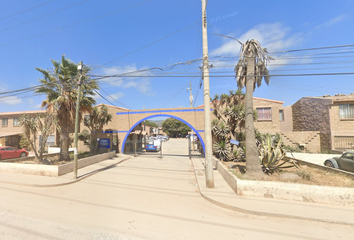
(222, 150)
(272, 156)
(239, 154)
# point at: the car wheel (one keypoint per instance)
(0, 157)
(328, 164)
(23, 155)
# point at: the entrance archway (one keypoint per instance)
(162, 115)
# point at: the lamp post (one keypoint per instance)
(79, 68)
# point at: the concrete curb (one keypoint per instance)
(260, 213)
(69, 182)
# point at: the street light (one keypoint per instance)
(79, 68)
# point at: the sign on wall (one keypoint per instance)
(104, 143)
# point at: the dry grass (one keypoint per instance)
(307, 175)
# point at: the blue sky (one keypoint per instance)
(115, 37)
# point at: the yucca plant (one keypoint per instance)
(272, 156)
(239, 154)
(222, 150)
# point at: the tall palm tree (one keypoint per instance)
(60, 86)
(250, 70)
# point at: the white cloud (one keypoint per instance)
(116, 96)
(331, 22)
(13, 100)
(96, 96)
(139, 81)
(38, 106)
(273, 36)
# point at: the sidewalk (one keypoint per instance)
(223, 196)
(45, 181)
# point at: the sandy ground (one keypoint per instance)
(143, 198)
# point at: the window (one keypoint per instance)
(87, 118)
(4, 122)
(346, 111)
(264, 113)
(16, 122)
(281, 115)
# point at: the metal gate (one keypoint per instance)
(195, 148)
(344, 143)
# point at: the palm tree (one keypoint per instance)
(59, 84)
(250, 70)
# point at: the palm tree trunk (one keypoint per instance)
(253, 165)
(64, 148)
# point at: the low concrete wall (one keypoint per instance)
(57, 149)
(312, 157)
(52, 170)
(51, 156)
(287, 191)
(66, 168)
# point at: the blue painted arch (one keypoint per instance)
(163, 115)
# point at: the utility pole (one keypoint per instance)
(79, 68)
(209, 174)
(190, 94)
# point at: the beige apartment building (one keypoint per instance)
(331, 116)
(313, 123)
(10, 129)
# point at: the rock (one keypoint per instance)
(46, 161)
(289, 177)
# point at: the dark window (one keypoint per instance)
(281, 115)
(4, 122)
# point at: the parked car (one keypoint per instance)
(11, 152)
(344, 162)
(150, 146)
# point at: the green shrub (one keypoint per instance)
(272, 156)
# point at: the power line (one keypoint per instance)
(73, 24)
(104, 98)
(141, 48)
(43, 16)
(270, 75)
(316, 48)
(114, 99)
(26, 10)
(20, 90)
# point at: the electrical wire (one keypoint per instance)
(26, 10)
(147, 45)
(316, 48)
(46, 15)
(114, 99)
(104, 98)
(222, 76)
(73, 24)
